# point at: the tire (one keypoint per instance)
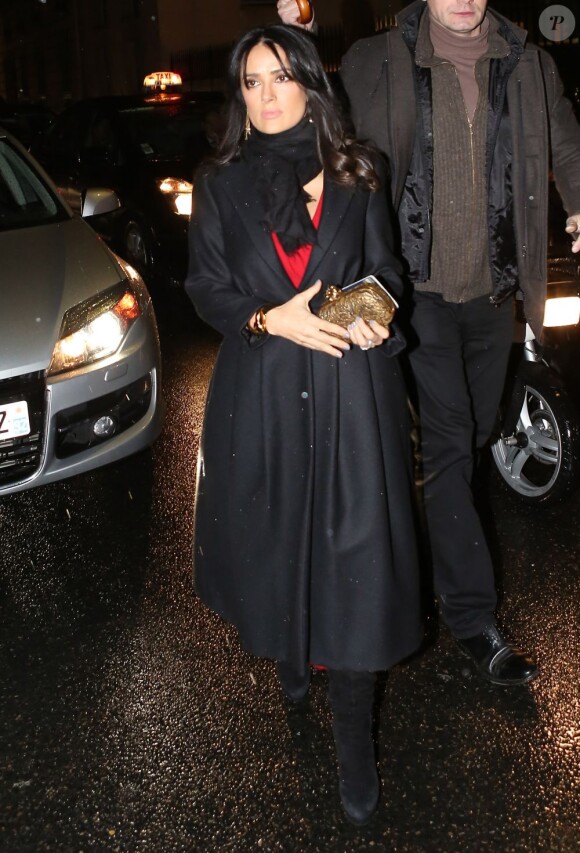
(540, 460)
(137, 251)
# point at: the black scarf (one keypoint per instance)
(281, 164)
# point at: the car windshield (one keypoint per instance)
(24, 199)
(169, 131)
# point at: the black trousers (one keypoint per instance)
(458, 367)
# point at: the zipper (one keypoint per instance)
(473, 211)
(470, 123)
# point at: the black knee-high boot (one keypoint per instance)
(351, 698)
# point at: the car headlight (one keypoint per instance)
(95, 329)
(562, 311)
(178, 193)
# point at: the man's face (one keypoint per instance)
(462, 17)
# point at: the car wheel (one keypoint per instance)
(137, 250)
(540, 460)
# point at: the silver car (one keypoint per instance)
(79, 349)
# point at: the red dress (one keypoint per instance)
(295, 264)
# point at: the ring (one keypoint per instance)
(370, 345)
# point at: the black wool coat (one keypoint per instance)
(304, 534)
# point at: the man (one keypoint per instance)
(471, 118)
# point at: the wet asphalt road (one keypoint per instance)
(130, 720)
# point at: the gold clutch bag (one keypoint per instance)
(366, 298)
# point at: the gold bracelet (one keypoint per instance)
(261, 328)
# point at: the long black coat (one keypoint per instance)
(304, 535)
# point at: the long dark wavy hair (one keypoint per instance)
(345, 160)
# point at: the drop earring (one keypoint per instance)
(247, 127)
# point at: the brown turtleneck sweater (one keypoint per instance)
(463, 52)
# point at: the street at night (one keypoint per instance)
(132, 721)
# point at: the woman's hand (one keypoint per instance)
(295, 321)
(367, 335)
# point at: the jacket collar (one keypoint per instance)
(497, 47)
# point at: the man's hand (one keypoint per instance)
(289, 14)
(573, 227)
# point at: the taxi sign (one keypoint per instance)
(162, 79)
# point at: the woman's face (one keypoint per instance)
(274, 101)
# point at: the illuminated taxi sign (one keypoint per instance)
(162, 79)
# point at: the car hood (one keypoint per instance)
(45, 271)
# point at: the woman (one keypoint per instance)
(304, 534)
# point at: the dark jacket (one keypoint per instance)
(304, 533)
(529, 123)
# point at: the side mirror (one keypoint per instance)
(99, 200)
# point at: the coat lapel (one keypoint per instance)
(335, 206)
(251, 213)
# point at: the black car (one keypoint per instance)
(25, 120)
(144, 148)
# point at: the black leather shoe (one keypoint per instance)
(295, 684)
(497, 660)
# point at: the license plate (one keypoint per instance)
(14, 420)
